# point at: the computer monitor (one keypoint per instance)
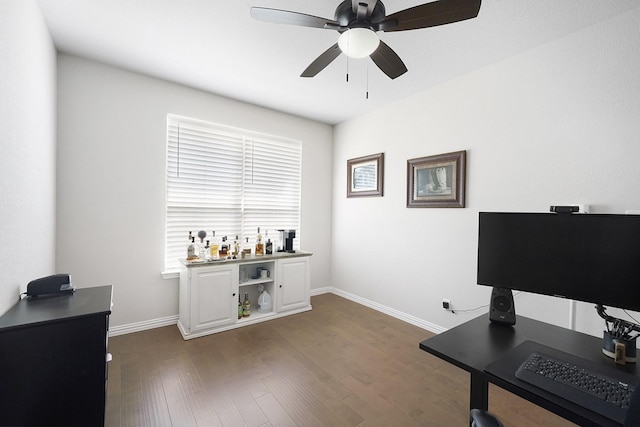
(586, 257)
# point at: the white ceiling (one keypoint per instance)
(215, 46)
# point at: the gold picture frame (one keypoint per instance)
(437, 181)
(365, 176)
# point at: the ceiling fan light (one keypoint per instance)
(358, 42)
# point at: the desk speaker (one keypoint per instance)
(502, 310)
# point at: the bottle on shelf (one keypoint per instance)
(198, 249)
(202, 254)
(213, 248)
(240, 307)
(223, 252)
(236, 248)
(246, 306)
(246, 250)
(259, 244)
(207, 251)
(268, 247)
(192, 252)
(264, 300)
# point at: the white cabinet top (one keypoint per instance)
(246, 259)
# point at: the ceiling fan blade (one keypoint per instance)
(322, 61)
(432, 14)
(278, 16)
(388, 61)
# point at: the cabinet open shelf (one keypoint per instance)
(255, 315)
(252, 282)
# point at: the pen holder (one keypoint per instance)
(619, 349)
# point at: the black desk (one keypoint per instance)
(476, 344)
(53, 351)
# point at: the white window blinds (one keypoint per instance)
(230, 181)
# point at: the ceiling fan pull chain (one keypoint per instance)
(347, 69)
(367, 95)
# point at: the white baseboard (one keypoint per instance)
(436, 329)
(142, 326)
(172, 320)
(320, 291)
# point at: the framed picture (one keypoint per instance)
(436, 181)
(365, 176)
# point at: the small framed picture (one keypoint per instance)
(365, 176)
(437, 181)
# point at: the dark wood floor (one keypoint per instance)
(341, 364)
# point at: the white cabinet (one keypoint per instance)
(293, 274)
(208, 297)
(209, 292)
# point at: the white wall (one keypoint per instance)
(27, 148)
(559, 124)
(111, 180)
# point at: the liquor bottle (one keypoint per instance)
(240, 307)
(259, 244)
(192, 252)
(246, 306)
(246, 250)
(236, 247)
(213, 248)
(197, 247)
(207, 251)
(189, 243)
(268, 249)
(224, 248)
(202, 252)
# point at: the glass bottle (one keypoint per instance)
(224, 248)
(207, 251)
(268, 249)
(202, 252)
(259, 244)
(240, 307)
(213, 248)
(246, 306)
(192, 253)
(198, 247)
(189, 243)
(246, 250)
(236, 247)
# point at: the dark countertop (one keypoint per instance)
(30, 311)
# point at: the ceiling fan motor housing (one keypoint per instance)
(348, 19)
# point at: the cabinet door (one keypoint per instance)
(214, 297)
(293, 278)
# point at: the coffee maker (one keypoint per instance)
(285, 243)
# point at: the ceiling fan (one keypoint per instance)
(357, 21)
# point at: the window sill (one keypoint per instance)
(170, 275)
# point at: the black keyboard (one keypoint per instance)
(606, 395)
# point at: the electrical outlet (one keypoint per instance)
(446, 304)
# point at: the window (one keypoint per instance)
(230, 181)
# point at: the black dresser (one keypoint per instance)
(53, 359)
